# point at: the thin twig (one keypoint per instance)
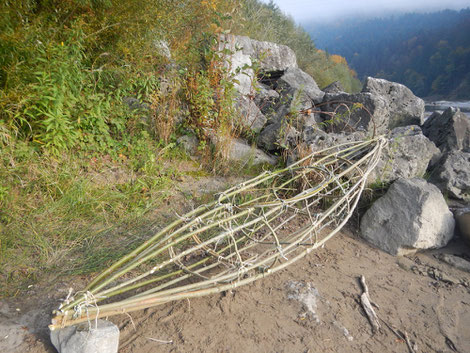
(408, 343)
(132, 321)
(103, 29)
(391, 328)
(160, 341)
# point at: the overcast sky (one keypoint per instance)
(303, 10)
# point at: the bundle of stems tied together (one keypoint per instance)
(248, 232)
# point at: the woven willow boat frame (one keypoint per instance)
(250, 231)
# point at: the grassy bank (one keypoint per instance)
(80, 171)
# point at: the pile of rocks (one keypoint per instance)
(286, 109)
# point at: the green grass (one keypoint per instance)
(77, 213)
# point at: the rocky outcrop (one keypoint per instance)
(452, 175)
(270, 56)
(266, 98)
(407, 155)
(449, 130)
(364, 111)
(317, 139)
(135, 104)
(412, 215)
(241, 52)
(292, 112)
(313, 139)
(381, 105)
(238, 62)
(334, 88)
(162, 48)
(295, 79)
(278, 102)
(404, 107)
(240, 151)
(250, 116)
(277, 134)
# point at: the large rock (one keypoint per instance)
(277, 134)
(334, 87)
(135, 104)
(295, 78)
(239, 62)
(405, 108)
(102, 338)
(292, 112)
(449, 130)
(381, 105)
(452, 175)
(364, 111)
(407, 155)
(412, 215)
(241, 52)
(270, 56)
(250, 115)
(316, 139)
(266, 98)
(240, 151)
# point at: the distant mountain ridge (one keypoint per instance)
(430, 53)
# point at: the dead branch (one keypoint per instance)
(367, 306)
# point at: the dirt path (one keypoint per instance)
(313, 306)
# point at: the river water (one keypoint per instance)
(440, 106)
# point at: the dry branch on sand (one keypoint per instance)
(250, 231)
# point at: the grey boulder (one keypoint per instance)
(412, 215)
(381, 105)
(101, 337)
(334, 87)
(449, 130)
(238, 61)
(240, 151)
(270, 56)
(349, 112)
(277, 134)
(250, 115)
(300, 81)
(452, 175)
(405, 108)
(292, 112)
(135, 104)
(163, 49)
(241, 53)
(316, 139)
(407, 155)
(266, 98)
(273, 56)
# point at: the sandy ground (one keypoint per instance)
(313, 306)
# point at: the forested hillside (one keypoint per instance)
(430, 53)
